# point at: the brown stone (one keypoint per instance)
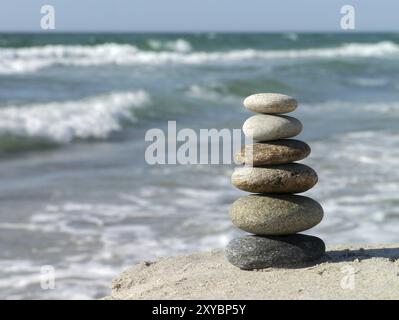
(283, 178)
(273, 152)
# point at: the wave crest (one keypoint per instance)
(179, 45)
(22, 60)
(62, 122)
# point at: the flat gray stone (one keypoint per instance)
(270, 103)
(265, 127)
(275, 214)
(273, 152)
(283, 178)
(258, 252)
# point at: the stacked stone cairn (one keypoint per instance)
(273, 213)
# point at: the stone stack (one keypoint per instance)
(273, 214)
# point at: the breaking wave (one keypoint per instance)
(31, 59)
(62, 122)
(179, 45)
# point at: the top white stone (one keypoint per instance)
(266, 127)
(270, 103)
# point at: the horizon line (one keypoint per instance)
(47, 32)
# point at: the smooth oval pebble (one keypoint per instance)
(258, 252)
(270, 103)
(275, 214)
(273, 152)
(283, 178)
(264, 127)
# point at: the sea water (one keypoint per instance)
(75, 190)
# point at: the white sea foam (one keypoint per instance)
(291, 36)
(210, 93)
(179, 45)
(358, 186)
(370, 82)
(343, 106)
(93, 117)
(23, 274)
(103, 239)
(23, 60)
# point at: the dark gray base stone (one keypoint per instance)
(258, 252)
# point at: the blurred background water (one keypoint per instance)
(76, 192)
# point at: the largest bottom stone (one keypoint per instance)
(258, 252)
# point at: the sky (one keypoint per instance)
(199, 15)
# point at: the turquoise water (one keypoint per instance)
(76, 192)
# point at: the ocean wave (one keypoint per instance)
(105, 237)
(345, 107)
(369, 82)
(211, 93)
(357, 186)
(62, 122)
(31, 59)
(291, 36)
(179, 45)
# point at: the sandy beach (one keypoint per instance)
(346, 272)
